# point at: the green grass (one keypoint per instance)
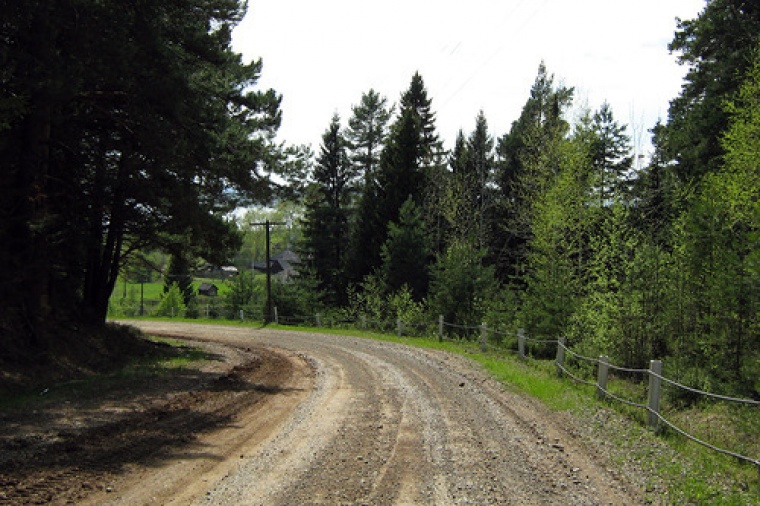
(155, 290)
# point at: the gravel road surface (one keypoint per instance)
(383, 423)
(292, 418)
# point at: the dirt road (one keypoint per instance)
(295, 418)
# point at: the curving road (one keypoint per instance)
(358, 421)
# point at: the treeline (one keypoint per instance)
(551, 226)
(128, 128)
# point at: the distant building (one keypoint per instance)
(282, 265)
(210, 271)
(208, 289)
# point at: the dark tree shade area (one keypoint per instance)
(124, 126)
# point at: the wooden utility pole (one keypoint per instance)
(268, 316)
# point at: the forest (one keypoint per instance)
(553, 226)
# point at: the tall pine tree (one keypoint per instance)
(716, 47)
(366, 133)
(326, 218)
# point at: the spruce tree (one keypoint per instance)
(179, 273)
(415, 99)
(402, 174)
(326, 219)
(611, 157)
(480, 169)
(406, 253)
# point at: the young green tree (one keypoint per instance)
(242, 291)
(179, 273)
(172, 303)
(406, 253)
(557, 259)
(461, 286)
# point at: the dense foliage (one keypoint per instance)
(551, 228)
(123, 127)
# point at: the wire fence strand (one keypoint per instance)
(577, 355)
(703, 443)
(576, 378)
(706, 394)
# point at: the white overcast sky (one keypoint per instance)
(472, 54)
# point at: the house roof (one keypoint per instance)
(281, 262)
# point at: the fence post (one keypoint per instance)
(398, 327)
(601, 380)
(364, 322)
(655, 367)
(440, 328)
(483, 338)
(560, 355)
(242, 315)
(318, 320)
(276, 316)
(521, 343)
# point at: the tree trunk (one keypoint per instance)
(27, 244)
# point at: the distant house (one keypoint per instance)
(210, 271)
(229, 270)
(208, 289)
(282, 265)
